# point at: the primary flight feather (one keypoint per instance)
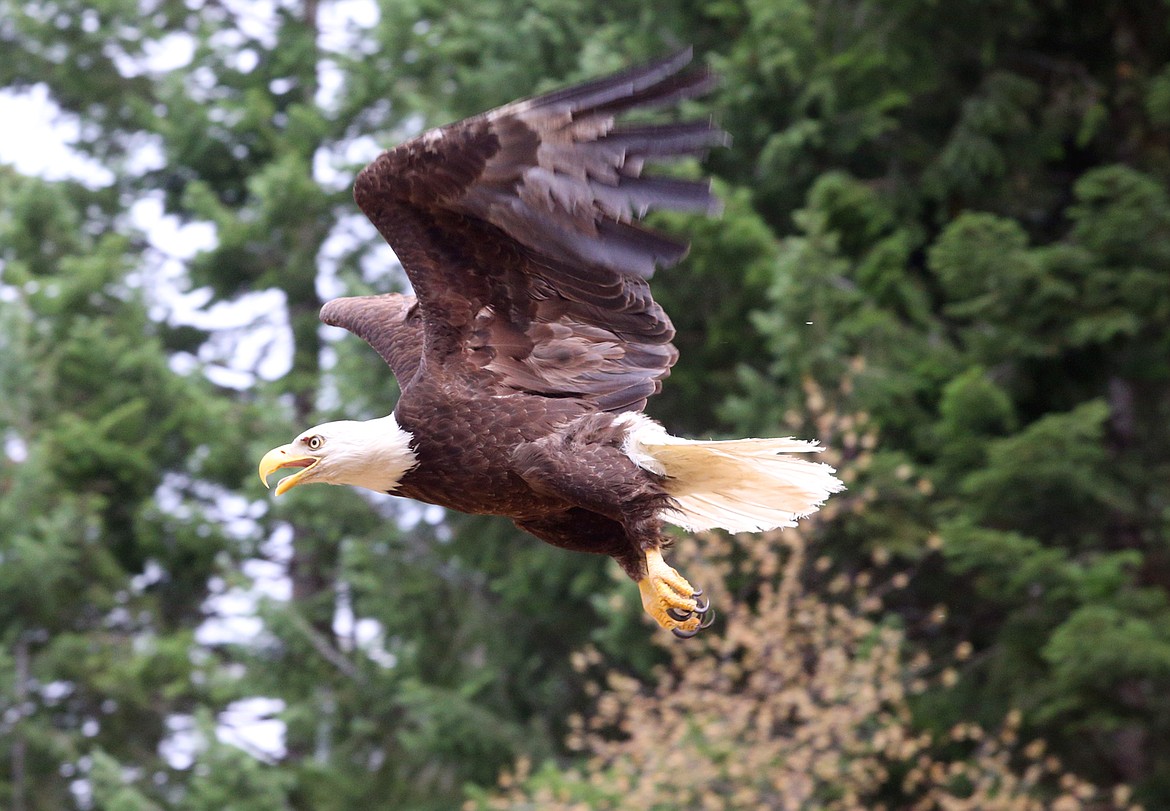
(531, 341)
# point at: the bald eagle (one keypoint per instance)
(531, 341)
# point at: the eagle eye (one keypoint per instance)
(314, 442)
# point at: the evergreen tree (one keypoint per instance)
(110, 524)
(981, 252)
(467, 663)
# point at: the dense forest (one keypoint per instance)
(944, 253)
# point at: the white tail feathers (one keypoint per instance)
(741, 485)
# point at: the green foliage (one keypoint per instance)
(992, 291)
(1099, 646)
(972, 411)
(101, 587)
(1046, 478)
(707, 299)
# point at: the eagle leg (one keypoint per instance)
(671, 600)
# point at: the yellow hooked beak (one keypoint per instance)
(282, 457)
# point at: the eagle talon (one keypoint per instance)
(671, 600)
(707, 620)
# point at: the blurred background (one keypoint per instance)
(945, 253)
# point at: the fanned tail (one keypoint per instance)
(741, 485)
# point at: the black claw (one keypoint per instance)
(681, 634)
(697, 593)
(676, 614)
(706, 623)
(701, 607)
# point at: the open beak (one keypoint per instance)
(282, 457)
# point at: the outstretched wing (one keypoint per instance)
(518, 231)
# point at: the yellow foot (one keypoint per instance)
(671, 600)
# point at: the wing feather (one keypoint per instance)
(618, 87)
(519, 232)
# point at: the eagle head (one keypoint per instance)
(374, 454)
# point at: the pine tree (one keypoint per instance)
(979, 246)
(446, 669)
(108, 526)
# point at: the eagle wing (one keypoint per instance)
(390, 323)
(518, 231)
